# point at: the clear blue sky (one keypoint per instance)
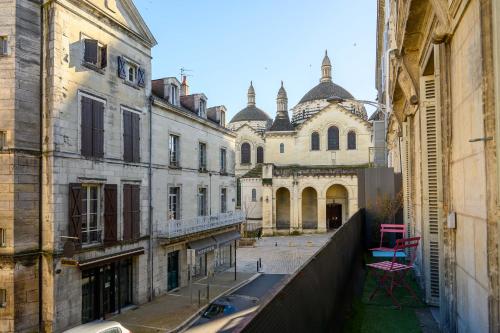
(227, 43)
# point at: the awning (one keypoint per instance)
(227, 237)
(89, 263)
(203, 245)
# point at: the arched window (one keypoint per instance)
(351, 140)
(282, 148)
(260, 155)
(315, 141)
(245, 153)
(333, 138)
(254, 195)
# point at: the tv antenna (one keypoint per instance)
(183, 72)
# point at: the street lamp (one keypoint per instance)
(383, 108)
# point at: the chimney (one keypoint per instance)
(184, 86)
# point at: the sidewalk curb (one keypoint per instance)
(188, 321)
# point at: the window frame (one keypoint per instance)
(202, 156)
(334, 143)
(135, 141)
(176, 215)
(174, 141)
(3, 237)
(249, 159)
(202, 209)
(223, 160)
(102, 54)
(202, 107)
(349, 147)
(173, 92)
(3, 298)
(4, 45)
(257, 159)
(223, 200)
(82, 95)
(282, 148)
(99, 228)
(315, 135)
(254, 195)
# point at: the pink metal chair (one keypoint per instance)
(391, 274)
(389, 228)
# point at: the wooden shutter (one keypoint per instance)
(136, 210)
(141, 77)
(121, 68)
(104, 56)
(86, 144)
(406, 173)
(127, 222)
(90, 53)
(110, 215)
(97, 128)
(127, 136)
(432, 185)
(75, 213)
(135, 137)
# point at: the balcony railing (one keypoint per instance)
(184, 227)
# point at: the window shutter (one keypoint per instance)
(86, 144)
(141, 77)
(90, 54)
(121, 68)
(104, 56)
(135, 138)
(98, 128)
(127, 223)
(127, 136)
(75, 213)
(431, 172)
(136, 211)
(110, 216)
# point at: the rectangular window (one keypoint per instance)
(174, 207)
(173, 94)
(95, 54)
(4, 46)
(3, 298)
(173, 146)
(202, 201)
(91, 214)
(202, 108)
(131, 137)
(3, 237)
(202, 157)
(223, 161)
(92, 138)
(3, 140)
(223, 200)
(131, 211)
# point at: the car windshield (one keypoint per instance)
(214, 310)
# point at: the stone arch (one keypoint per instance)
(309, 208)
(283, 208)
(337, 205)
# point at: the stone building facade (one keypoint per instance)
(301, 175)
(84, 182)
(439, 72)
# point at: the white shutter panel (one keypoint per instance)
(406, 173)
(432, 185)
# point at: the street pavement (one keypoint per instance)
(280, 254)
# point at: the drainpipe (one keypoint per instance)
(40, 175)
(388, 105)
(150, 200)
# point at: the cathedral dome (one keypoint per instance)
(250, 113)
(325, 90)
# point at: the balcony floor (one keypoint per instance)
(380, 315)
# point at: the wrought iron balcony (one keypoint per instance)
(184, 227)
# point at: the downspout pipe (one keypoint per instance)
(150, 200)
(40, 176)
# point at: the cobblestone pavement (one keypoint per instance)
(280, 254)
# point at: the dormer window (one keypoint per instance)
(203, 107)
(174, 92)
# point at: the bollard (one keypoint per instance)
(199, 297)
(208, 292)
(260, 263)
(257, 266)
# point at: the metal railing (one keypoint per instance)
(183, 227)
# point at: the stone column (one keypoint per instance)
(321, 214)
(294, 206)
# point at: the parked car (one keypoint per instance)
(225, 306)
(99, 326)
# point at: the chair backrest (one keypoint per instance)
(391, 228)
(407, 244)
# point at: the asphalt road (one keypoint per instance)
(243, 298)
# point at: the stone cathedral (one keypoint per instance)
(300, 174)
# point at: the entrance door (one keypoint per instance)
(333, 215)
(173, 270)
(109, 289)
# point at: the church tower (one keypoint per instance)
(251, 95)
(281, 122)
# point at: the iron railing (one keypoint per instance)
(184, 227)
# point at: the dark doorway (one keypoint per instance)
(333, 215)
(173, 270)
